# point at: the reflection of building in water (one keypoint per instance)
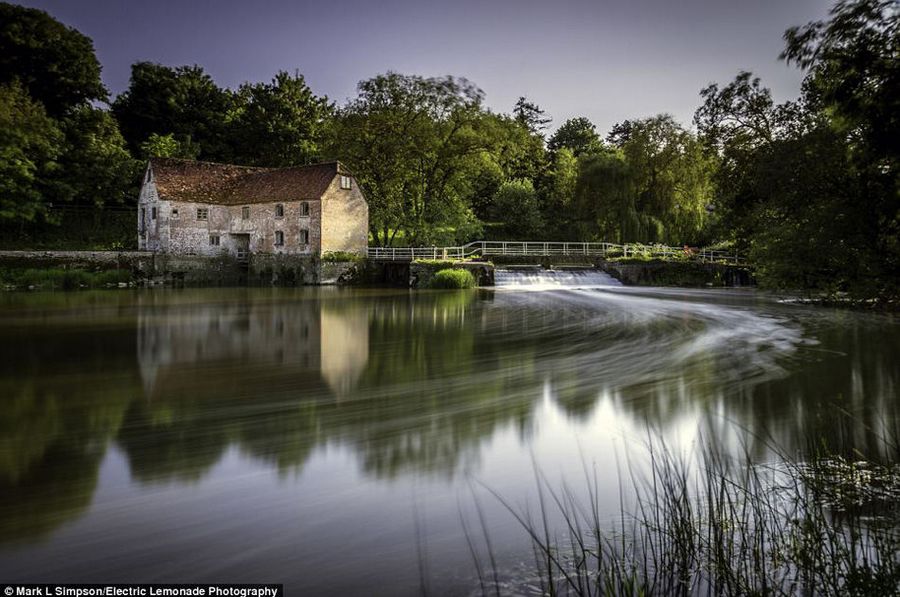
(344, 348)
(182, 341)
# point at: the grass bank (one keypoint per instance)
(63, 279)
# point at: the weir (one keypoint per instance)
(548, 278)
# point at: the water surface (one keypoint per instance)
(334, 440)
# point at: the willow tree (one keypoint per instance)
(655, 186)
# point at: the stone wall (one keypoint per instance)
(678, 273)
(153, 269)
(345, 219)
(188, 234)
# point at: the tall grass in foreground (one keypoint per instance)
(718, 526)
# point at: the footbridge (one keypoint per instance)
(488, 249)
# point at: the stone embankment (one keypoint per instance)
(152, 269)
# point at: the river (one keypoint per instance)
(342, 441)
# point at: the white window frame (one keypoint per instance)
(346, 182)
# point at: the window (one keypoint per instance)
(304, 237)
(214, 240)
(174, 214)
(143, 218)
(345, 182)
(153, 213)
(245, 212)
(279, 238)
(279, 210)
(304, 209)
(202, 214)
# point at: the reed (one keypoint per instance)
(709, 524)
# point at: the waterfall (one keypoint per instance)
(536, 277)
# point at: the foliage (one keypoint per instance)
(439, 263)
(276, 124)
(578, 135)
(409, 142)
(557, 195)
(96, 168)
(531, 116)
(810, 187)
(183, 102)
(64, 279)
(165, 146)
(853, 73)
(341, 256)
(55, 64)
(30, 144)
(671, 178)
(56, 147)
(516, 204)
(452, 279)
(604, 201)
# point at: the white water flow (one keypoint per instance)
(541, 278)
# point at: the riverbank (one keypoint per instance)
(71, 270)
(67, 270)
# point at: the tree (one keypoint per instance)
(531, 116)
(619, 134)
(735, 122)
(577, 135)
(183, 102)
(557, 194)
(519, 152)
(604, 201)
(29, 147)
(517, 206)
(410, 141)
(810, 187)
(671, 178)
(280, 123)
(165, 146)
(853, 65)
(852, 60)
(55, 64)
(95, 167)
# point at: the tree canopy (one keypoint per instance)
(578, 135)
(55, 64)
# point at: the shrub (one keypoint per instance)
(453, 278)
(340, 256)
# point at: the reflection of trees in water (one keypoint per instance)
(840, 394)
(55, 428)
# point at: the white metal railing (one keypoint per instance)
(483, 248)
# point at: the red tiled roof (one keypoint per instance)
(226, 184)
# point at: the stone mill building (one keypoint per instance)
(200, 208)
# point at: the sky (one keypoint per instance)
(608, 60)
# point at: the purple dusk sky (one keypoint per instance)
(605, 59)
